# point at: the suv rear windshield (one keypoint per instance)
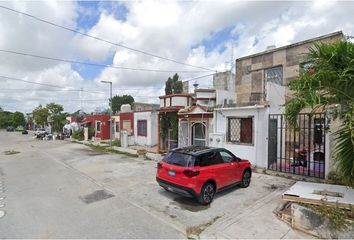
(179, 159)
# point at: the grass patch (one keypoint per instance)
(116, 143)
(105, 149)
(10, 152)
(197, 230)
(335, 178)
(149, 158)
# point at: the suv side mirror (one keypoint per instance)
(236, 159)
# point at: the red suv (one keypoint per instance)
(201, 171)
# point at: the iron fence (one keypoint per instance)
(298, 150)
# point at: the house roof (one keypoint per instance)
(204, 90)
(193, 109)
(338, 33)
(176, 95)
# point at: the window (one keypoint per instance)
(98, 126)
(209, 159)
(240, 130)
(117, 127)
(227, 157)
(274, 75)
(142, 127)
(179, 159)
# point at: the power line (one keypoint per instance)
(48, 85)
(102, 40)
(21, 80)
(203, 76)
(70, 90)
(96, 64)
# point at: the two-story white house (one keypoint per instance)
(254, 126)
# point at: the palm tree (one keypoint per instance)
(329, 84)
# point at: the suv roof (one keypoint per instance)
(193, 150)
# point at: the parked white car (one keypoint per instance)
(40, 131)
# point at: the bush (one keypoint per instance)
(116, 143)
(91, 132)
(335, 178)
(79, 135)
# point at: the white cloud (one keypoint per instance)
(173, 29)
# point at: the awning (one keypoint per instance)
(83, 123)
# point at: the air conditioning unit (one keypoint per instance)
(216, 139)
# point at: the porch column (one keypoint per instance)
(158, 133)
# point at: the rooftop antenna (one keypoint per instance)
(81, 99)
(195, 85)
(231, 67)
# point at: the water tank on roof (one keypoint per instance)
(126, 108)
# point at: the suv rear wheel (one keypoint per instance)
(207, 194)
(246, 179)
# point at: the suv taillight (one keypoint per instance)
(191, 173)
(159, 165)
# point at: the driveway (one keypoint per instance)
(58, 189)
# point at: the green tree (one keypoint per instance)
(40, 115)
(173, 85)
(18, 119)
(329, 85)
(57, 116)
(6, 119)
(118, 101)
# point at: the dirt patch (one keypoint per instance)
(195, 231)
(96, 196)
(10, 152)
(271, 187)
(189, 204)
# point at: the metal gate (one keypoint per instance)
(300, 151)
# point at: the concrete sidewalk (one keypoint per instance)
(130, 150)
(256, 221)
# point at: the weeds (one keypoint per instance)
(105, 149)
(197, 230)
(10, 152)
(339, 219)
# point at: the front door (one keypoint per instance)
(198, 134)
(272, 141)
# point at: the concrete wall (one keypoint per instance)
(221, 95)
(224, 81)
(179, 101)
(256, 152)
(175, 100)
(151, 138)
(205, 94)
(116, 131)
(127, 116)
(138, 106)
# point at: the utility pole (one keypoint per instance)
(81, 108)
(110, 112)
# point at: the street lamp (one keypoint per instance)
(110, 113)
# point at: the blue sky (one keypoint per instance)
(89, 15)
(217, 39)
